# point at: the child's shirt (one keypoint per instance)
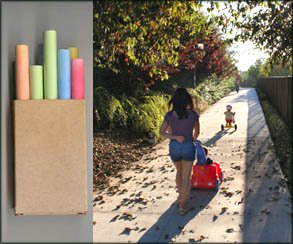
(229, 114)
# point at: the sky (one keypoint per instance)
(245, 53)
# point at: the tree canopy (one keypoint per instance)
(147, 34)
(145, 41)
(266, 23)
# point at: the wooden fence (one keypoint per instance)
(279, 92)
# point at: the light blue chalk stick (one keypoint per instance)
(64, 87)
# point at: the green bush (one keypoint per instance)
(142, 116)
(109, 112)
(213, 88)
(145, 114)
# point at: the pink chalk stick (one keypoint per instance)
(22, 72)
(77, 78)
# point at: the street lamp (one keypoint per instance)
(200, 46)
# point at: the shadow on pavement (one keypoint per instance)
(172, 223)
(266, 204)
(212, 141)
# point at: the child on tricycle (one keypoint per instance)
(230, 118)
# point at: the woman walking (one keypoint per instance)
(181, 126)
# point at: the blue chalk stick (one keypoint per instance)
(64, 87)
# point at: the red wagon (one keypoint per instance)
(207, 176)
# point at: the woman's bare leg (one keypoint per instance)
(178, 180)
(185, 182)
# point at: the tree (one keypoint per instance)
(214, 59)
(266, 23)
(276, 70)
(141, 40)
(254, 71)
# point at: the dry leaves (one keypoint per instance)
(230, 230)
(114, 152)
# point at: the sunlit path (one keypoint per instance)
(252, 205)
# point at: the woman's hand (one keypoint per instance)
(180, 139)
(196, 131)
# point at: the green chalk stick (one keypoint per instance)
(50, 64)
(36, 81)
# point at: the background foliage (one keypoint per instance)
(268, 24)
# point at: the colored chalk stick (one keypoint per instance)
(77, 78)
(36, 81)
(50, 64)
(22, 72)
(64, 89)
(73, 52)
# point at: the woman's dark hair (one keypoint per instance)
(180, 101)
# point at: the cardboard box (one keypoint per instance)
(50, 157)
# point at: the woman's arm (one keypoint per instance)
(196, 130)
(164, 133)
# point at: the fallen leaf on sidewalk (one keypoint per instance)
(227, 194)
(127, 216)
(117, 207)
(150, 170)
(241, 201)
(201, 238)
(154, 187)
(94, 222)
(114, 218)
(229, 178)
(230, 230)
(126, 179)
(143, 229)
(236, 167)
(215, 217)
(266, 211)
(224, 209)
(123, 191)
(101, 202)
(126, 231)
(98, 198)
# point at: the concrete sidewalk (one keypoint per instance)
(252, 205)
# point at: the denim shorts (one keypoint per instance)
(182, 151)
